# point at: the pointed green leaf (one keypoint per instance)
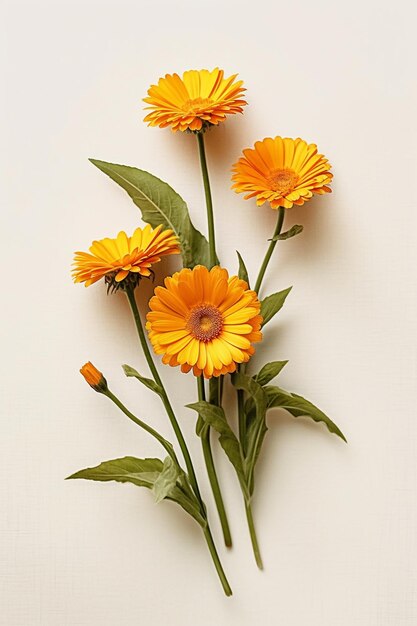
(148, 382)
(269, 371)
(292, 232)
(160, 204)
(299, 407)
(272, 304)
(140, 472)
(215, 417)
(243, 272)
(166, 480)
(145, 473)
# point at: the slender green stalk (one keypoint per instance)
(216, 560)
(211, 471)
(221, 388)
(209, 202)
(241, 416)
(271, 247)
(241, 394)
(214, 383)
(170, 412)
(187, 458)
(253, 536)
(166, 444)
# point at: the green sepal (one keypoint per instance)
(272, 304)
(148, 382)
(160, 204)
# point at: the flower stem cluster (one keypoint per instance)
(203, 320)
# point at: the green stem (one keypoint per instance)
(166, 444)
(241, 394)
(211, 471)
(170, 412)
(271, 247)
(215, 386)
(209, 202)
(221, 387)
(190, 469)
(241, 417)
(253, 536)
(216, 561)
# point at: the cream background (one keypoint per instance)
(337, 524)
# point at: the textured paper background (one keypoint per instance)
(337, 524)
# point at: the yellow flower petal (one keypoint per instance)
(199, 98)
(281, 171)
(189, 326)
(116, 258)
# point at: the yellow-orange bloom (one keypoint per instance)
(282, 172)
(93, 377)
(116, 259)
(204, 321)
(196, 100)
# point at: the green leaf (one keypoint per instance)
(199, 426)
(166, 480)
(299, 407)
(269, 371)
(188, 502)
(215, 417)
(146, 473)
(243, 272)
(292, 232)
(272, 304)
(256, 426)
(151, 384)
(140, 472)
(160, 204)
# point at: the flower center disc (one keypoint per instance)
(205, 322)
(195, 105)
(283, 180)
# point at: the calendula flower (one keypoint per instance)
(195, 101)
(124, 260)
(94, 377)
(282, 172)
(204, 321)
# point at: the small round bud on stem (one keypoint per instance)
(94, 377)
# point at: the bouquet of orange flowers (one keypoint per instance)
(203, 320)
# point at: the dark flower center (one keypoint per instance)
(205, 322)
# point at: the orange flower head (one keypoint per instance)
(94, 377)
(204, 321)
(124, 260)
(194, 102)
(282, 172)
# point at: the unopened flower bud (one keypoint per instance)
(94, 377)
